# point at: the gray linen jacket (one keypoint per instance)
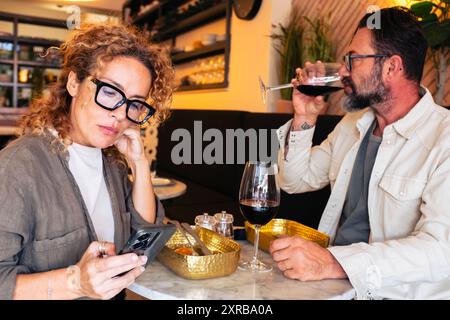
(44, 223)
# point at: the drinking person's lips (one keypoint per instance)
(108, 130)
(348, 86)
(348, 89)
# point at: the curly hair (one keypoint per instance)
(84, 53)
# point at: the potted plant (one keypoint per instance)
(435, 20)
(289, 46)
(319, 46)
(302, 39)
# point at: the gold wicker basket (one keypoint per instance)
(223, 262)
(277, 227)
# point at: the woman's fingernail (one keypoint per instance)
(134, 258)
(143, 259)
(142, 269)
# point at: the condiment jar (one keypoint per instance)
(224, 224)
(206, 221)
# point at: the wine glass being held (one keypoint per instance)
(306, 108)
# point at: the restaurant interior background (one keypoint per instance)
(218, 58)
(221, 55)
(217, 54)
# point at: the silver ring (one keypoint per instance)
(101, 249)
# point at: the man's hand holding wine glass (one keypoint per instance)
(306, 107)
(296, 257)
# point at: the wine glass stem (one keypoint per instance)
(255, 252)
(282, 86)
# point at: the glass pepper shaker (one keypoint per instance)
(206, 221)
(224, 224)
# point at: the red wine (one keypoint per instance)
(310, 90)
(258, 211)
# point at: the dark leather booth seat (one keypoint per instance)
(214, 187)
(4, 140)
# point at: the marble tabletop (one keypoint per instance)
(158, 282)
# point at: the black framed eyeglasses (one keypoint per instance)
(349, 57)
(110, 97)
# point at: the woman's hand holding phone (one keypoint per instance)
(98, 274)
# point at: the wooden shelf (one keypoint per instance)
(9, 118)
(130, 3)
(6, 38)
(6, 61)
(203, 86)
(141, 18)
(38, 64)
(32, 41)
(19, 85)
(198, 17)
(195, 21)
(206, 51)
(39, 42)
(31, 63)
(10, 111)
(17, 21)
(33, 20)
(127, 3)
(25, 85)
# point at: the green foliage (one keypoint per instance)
(300, 40)
(289, 46)
(435, 20)
(317, 41)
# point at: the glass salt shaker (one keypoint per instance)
(206, 221)
(224, 224)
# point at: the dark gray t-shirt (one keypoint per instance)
(354, 224)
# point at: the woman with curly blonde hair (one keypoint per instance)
(67, 202)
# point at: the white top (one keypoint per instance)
(407, 256)
(86, 165)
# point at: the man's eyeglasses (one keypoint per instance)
(349, 57)
(109, 97)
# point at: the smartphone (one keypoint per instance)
(149, 241)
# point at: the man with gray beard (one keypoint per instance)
(388, 164)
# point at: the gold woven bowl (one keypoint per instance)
(277, 227)
(216, 265)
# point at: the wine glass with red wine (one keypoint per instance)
(317, 80)
(259, 199)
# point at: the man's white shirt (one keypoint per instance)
(408, 254)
